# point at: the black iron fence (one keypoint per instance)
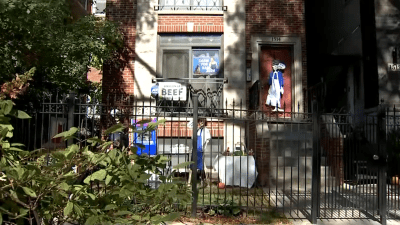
(306, 165)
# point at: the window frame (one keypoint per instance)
(190, 47)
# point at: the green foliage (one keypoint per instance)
(107, 187)
(42, 34)
(226, 208)
(239, 153)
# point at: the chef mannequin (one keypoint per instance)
(276, 86)
(203, 139)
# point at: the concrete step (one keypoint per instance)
(295, 172)
(302, 161)
(290, 127)
(291, 135)
(281, 151)
(302, 184)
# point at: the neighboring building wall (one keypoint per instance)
(387, 15)
(346, 28)
(94, 75)
(145, 48)
(119, 78)
(266, 19)
(235, 66)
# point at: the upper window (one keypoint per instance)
(215, 5)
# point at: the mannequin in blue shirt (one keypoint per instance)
(276, 83)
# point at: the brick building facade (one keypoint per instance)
(243, 36)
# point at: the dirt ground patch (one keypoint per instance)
(270, 217)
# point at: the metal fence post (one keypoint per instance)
(316, 168)
(382, 165)
(71, 109)
(195, 98)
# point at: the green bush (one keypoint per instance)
(107, 187)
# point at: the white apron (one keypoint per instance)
(274, 92)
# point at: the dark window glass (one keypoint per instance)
(175, 64)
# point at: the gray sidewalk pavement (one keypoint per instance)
(321, 222)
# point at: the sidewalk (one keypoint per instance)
(322, 222)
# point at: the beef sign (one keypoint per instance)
(172, 91)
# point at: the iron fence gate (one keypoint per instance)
(306, 165)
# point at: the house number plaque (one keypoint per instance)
(276, 39)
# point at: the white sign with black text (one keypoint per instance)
(172, 91)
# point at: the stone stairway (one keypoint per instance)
(291, 158)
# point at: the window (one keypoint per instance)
(190, 56)
(190, 5)
(193, 63)
(175, 64)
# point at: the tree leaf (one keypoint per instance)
(170, 217)
(110, 207)
(7, 106)
(87, 180)
(68, 208)
(1, 218)
(108, 179)
(17, 145)
(98, 175)
(64, 186)
(29, 192)
(68, 133)
(91, 220)
(78, 209)
(183, 165)
(5, 145)
(122, 213)
(22, 115)
(92, 196)
(22, 212)
(4, 132)
(95, 140)
(115, 128)
(15, 149)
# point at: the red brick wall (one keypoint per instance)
(277, 17)
(202, 23)
(119, 78)
(261, 151)
(94, 75)
(334, 148)
(180, 129)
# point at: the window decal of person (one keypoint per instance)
(276, 85)
(213, 64)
